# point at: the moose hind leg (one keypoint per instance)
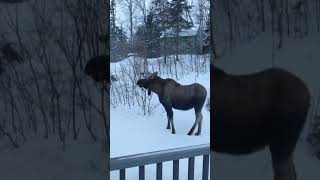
(170, 117)
(283, 145)
(283, 168)
(198, 119)
(282, 150)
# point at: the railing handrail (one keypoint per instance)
(142, 159)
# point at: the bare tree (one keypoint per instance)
(131, 5)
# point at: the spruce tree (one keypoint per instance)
(161, 18)
(118, 43)
(206, 38)
(179, 19)
(148, 37)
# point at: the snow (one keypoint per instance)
(43, 159)
(38, 158)
(135, 133)
(300, 56)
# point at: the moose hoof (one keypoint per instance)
(173, 132)
(189, 134)
(197, 134)
(168, 127)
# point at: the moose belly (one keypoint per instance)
(239, 143)
(240, 136)
(182, 106)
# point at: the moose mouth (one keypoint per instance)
(143, 84)
(149, 90)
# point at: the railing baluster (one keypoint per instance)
(159, 171)
(122, 174)
(141, 173)
(158, 157)
(176, 169)
(191, 169)
(205, 167)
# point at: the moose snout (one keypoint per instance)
(142, 83)
(139, 83)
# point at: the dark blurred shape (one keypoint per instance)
(114, 78)
(104, 38)
(10, 54)
(98, 68)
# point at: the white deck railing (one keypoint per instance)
(158, 157)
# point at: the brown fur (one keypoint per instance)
(174, 95)
(265, 109)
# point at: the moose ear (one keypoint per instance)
(155, 74)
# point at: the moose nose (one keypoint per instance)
(141, 83)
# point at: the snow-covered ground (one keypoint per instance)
(300, 56)
(41, 159)
(37, 97)
(38, 158)
(134, 133)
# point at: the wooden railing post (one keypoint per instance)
(205, 167)
(176, 169)
(191, 168)
(122, 174)
(159, 171)
(141, 173)
(158, 157)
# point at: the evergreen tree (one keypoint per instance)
(161, 18)
(206, 38)
(161, 13)
(179, 19)
(112, 14)
(148, 37)
(118, 43)
(118, 49)
(153, 32)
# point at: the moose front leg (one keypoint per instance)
(170, 119)
(168, 125)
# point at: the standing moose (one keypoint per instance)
(174, 95)
(265, 109)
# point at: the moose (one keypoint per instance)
(258, 110)
(174, 95)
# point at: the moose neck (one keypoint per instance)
(156, 87)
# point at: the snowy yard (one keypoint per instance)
(43, 159)
(132, 132)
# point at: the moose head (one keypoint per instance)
(148, 82)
